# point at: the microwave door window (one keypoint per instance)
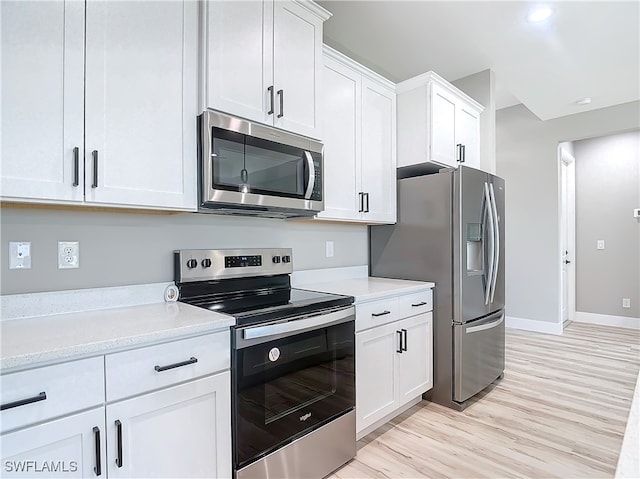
(275, 172)
(228, 164)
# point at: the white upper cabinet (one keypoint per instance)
(437, 123)
(133, 143)
(141, 103)
(359, 136)
(262, 61)
(42, 100)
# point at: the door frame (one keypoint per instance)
(566, 167)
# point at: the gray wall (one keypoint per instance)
(481, 87)
(129, 248)
(527, 158)
(607, 170)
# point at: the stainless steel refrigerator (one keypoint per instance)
(450, 230)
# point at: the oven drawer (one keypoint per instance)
(43, 393)
(415, 303)
(133, 372)
(375, 313)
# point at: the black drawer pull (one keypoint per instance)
(98, 467)
(418, 304)
(40, 397)
(380, 314)
(399, 350)
(404, 341)
(176, 365)
(119, 441)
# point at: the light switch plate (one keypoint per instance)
(626, 302)
(600, 244)
(19, 255)
(329, 249)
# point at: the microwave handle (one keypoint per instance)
(312, 176)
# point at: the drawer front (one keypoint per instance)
(43, 393)
(154, 367)
(415, 303)
(375, 313)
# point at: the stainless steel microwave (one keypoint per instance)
(252, 169)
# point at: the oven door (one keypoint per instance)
(290, 378)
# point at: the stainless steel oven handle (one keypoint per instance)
(289, 327)
(312, 175)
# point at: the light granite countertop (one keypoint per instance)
(39, 340)
(368, 288)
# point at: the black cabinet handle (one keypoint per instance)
(422, 303)
(404, 342)
(96, 435)
(566, 261)
(361, 202)
(119, 443)
(399, 350)
(76, 166)
(459, 152)
(366, 210)
(22, 402)
(281, 94)
(94, 153)
(176, 365)
(464, 153)
(375, 315)
(271, 100)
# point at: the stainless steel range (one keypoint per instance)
(292, 365)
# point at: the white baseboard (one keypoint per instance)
(533, 325)
(607, 320)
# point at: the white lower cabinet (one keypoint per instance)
(176, 425)
(394, 360)
(181, 431)
(72, 446)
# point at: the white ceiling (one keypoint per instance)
(586, 49)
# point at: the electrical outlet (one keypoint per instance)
(626, 302)
(68, 254)
(600, 244)
(329, 249)
(19, 255)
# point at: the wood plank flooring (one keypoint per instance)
(559, 412)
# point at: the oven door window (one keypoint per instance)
(252, 165)
(287, 387)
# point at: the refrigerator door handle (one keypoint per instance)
(491, 232)
(483, 327)
(496, 231)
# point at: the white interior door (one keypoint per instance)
(567, 234)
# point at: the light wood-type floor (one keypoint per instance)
(559, 412)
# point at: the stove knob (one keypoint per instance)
(286, 259)
(276, 259)
(206, 263)
(192, 263)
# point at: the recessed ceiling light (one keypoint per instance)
(539, 14)
(584, 101)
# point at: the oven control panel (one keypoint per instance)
(209, 264)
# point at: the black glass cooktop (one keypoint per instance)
(252, 302)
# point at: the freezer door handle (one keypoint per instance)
(491, 232)
(484, 327)
(496, 234)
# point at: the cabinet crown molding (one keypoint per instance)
(432, 77)
(357, 67)
(314, 8)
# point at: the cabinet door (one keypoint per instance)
(414, 364)
(42, 99)
(379, 152)
(61, 448)
(181, 431)
(297, 68)
(341, 137)
(141, 98)
(468, 134)
(376, 385)
(238, 43)
(443, 126)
